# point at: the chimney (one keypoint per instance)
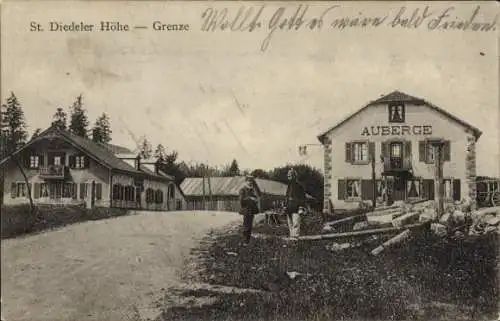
(157, 167)
(138, 162)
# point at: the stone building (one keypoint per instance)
(397, 131)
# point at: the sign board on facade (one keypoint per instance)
(397, 130)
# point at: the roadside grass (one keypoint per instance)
(426, 279)
(18, 220)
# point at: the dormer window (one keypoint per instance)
(396, 113)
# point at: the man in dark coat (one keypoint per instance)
(249, 206)
(295, 203)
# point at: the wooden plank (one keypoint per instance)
(386, 230)
(350, 219)
(391, 242)
(406, 219)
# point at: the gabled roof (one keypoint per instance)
(397, 96)
(229, 186)
(98, 152)
(116, 149)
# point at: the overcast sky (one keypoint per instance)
(179, 88)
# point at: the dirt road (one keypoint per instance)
(101, 270)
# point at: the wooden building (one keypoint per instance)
(62, 168)
(222, 193)
(399, 132)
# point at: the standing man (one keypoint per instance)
(295, 203)
(249, 206)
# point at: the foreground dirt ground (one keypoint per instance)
(101, 270)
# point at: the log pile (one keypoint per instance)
(408, 219)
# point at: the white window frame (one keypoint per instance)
(347, 196)
(450, 179)
(34, 161)
(420, 188)
(60, 160)
(80, 161)
(361, 144)
(21, 186)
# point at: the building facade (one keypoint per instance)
(398, 132)
(58, 167)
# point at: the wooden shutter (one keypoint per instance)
(407, 148)
(51, 159)
(371, 150)
(86, 161)
(447, 151)
(72, 161)
(41, 159)
(73, 191)
(456, 190)
(83, 191)
(385, 149)
(98, 191)
(422, 151)
(348, 152)
(37, 190)
(428, 189)
(366, 189)
(341, 189)
(13, 190)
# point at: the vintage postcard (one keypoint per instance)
(249, 160)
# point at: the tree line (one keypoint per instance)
(15, 135)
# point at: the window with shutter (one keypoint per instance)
(414, 188)
(353, 189)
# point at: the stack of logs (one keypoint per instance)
(406, 219)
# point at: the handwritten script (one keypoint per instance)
(252, 18)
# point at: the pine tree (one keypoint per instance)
(36, 133)
(60, 119)
(78, 122)
(15, 124)
(145, 149)
(234, 169)
(101, 132)
(160, 153)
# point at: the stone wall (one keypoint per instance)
(470, 166)
(327, 145)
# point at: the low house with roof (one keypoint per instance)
(222, 193)
(58, 167)
(399, 132)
